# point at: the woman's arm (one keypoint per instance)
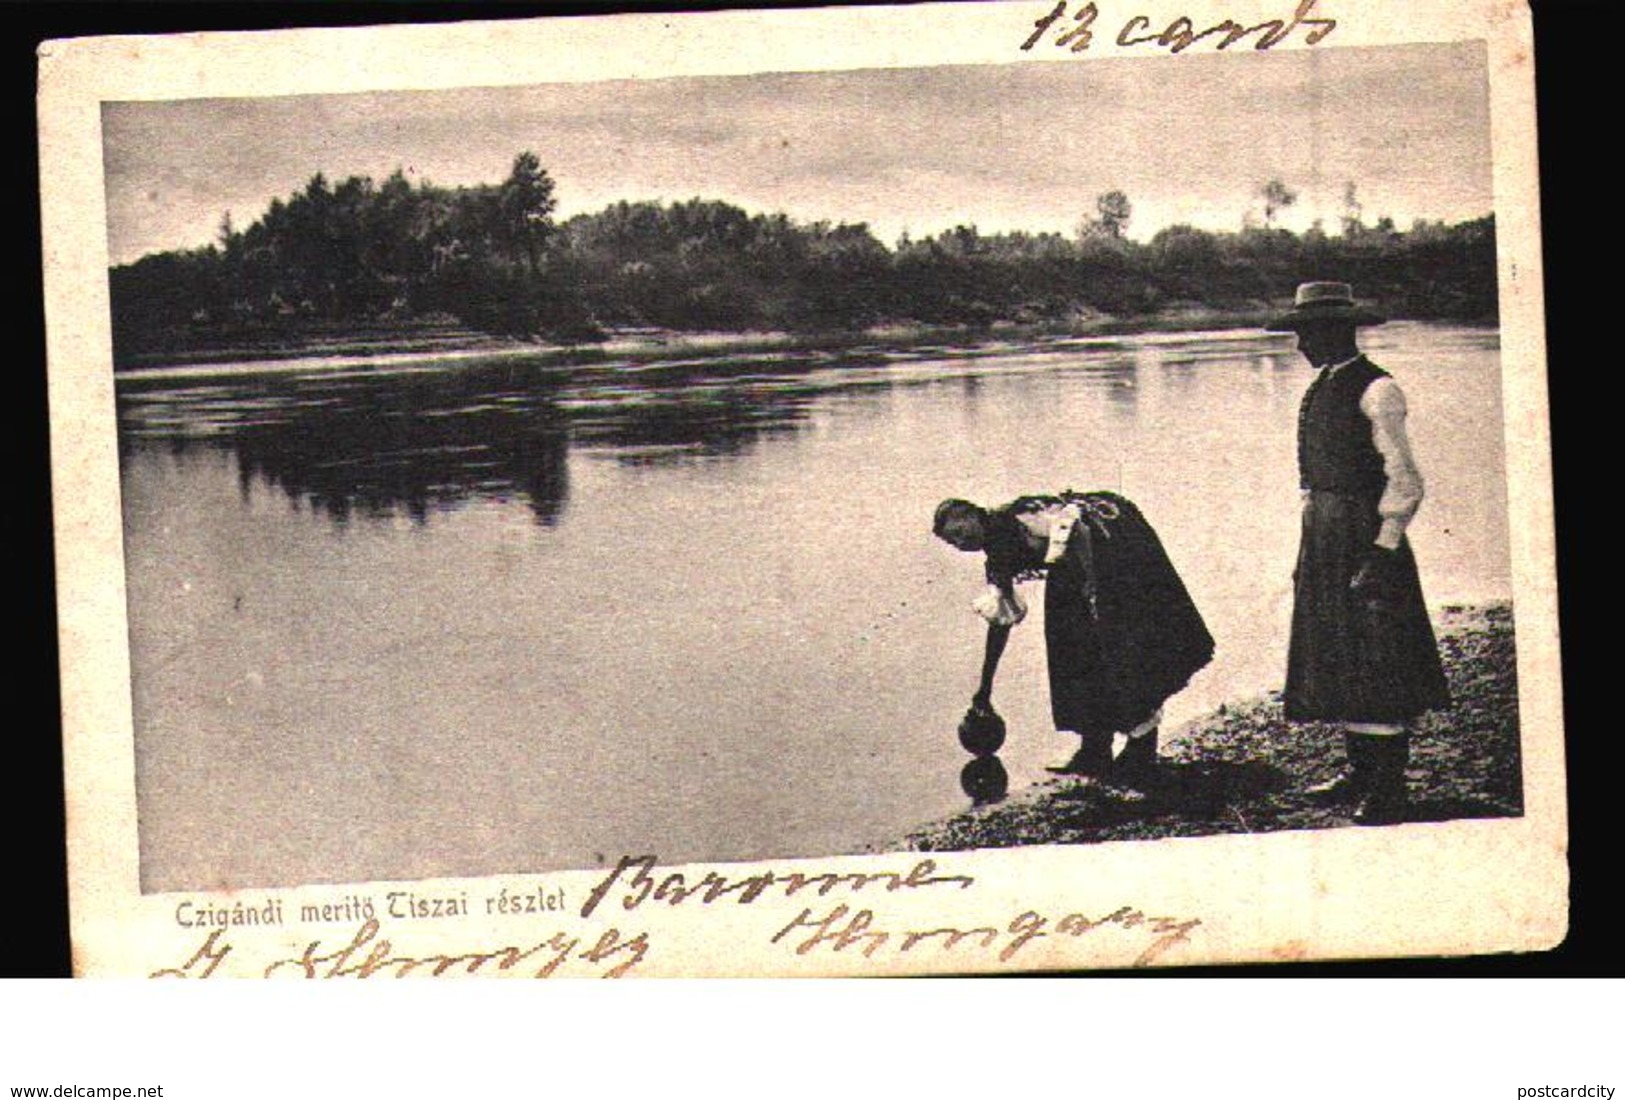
(997, 636)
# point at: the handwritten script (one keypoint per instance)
(840, 913)
(368, 955)
(673, 888)
(843, 928)
(1076, 34)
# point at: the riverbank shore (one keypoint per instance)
(1243, 769)
(432, 339)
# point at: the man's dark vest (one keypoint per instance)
(1335, 451)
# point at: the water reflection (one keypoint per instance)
(382, 444)
(1181, 375)
(429, 438)
(376, 453)
(985, 780)
(1119, 379)
(664, 428)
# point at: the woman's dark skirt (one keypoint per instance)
(1350, 661)
(1114, 661)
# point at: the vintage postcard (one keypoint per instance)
(972, 487)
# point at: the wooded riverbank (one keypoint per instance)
(357, 261)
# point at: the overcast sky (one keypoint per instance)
(1019, 146)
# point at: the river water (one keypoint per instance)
(470, 617)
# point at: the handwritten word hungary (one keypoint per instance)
(1179, 35)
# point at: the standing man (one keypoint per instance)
(1362, 650)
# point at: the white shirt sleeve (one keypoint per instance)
(1060, 532)
(1383, 403)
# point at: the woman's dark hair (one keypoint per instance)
(954, 507)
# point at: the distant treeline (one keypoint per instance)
(495, 258)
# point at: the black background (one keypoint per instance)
(1575, 51)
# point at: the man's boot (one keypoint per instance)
(1385, 802)
(1093, 758)
(1351, 784)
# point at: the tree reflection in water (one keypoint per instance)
(382, 444)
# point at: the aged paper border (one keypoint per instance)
(1455, 888)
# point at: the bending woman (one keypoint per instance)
(1121, 632)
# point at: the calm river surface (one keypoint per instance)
(463, 618)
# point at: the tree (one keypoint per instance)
(1277, 197)
(525, 206)
(1185, 249)
(1353, 222)
(1113, 211)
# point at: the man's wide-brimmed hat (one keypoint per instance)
(1320, 303)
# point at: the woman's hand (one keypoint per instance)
(999, 607)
